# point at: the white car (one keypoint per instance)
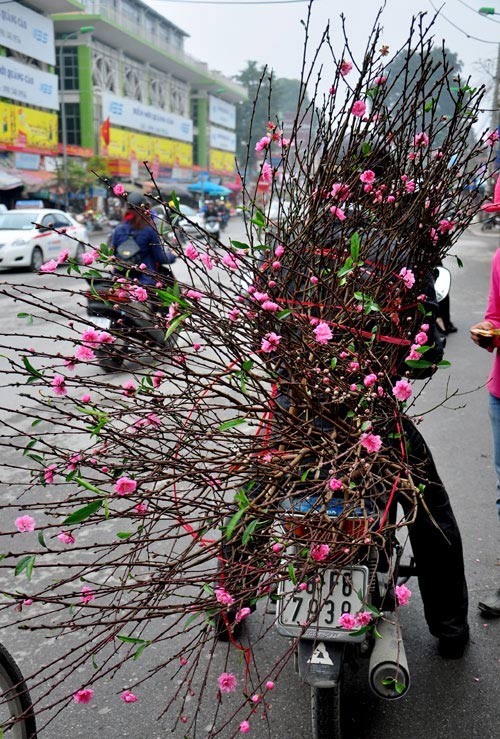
(27, 238)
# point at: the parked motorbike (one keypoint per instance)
(323, 649)
(111, 309)
(491, 223)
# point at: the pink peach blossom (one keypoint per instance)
(128, 697)
(338, 213)
(191, 251)
(84, 695)
(262, 143)
(227, 682)
(322, 333)
(49, 266)
(402, 390)
(25, 523)
(58, 385)
(371, 442)
(244, 727)
(86, 595)
(48, 473)
(319, 552)
(66, 537)
(358, 109)
(403, 594)
(125, 486)
(408, 277)
(367, 177)
(345, 68)
(223, 597)
(118, 189)
(270, 342)
(334, 483)
(347, 621)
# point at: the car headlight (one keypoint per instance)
(20, 242)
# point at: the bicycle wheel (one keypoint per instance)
(17, 718)
(325, 712)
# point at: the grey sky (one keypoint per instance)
(227, 36)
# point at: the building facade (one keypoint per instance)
(121, 87)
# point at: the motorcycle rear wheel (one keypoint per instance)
(325, 712)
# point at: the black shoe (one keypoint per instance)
(490, 608)
(453, 647)
(450, 328)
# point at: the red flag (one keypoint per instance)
(105, 131)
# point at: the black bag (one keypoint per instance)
(129, 251)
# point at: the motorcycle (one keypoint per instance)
(212, 227)
(491, 223)
(129, 323)
(308, 614)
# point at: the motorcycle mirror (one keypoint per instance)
(442, 283)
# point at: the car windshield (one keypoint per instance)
(187, 211)
(16, 221)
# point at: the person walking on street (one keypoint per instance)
(486, 334)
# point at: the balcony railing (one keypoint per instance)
(151, 34)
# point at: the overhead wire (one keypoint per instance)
(487, 16)
(469, 35)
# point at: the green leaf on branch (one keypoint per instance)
(239, 244)
(429, 105)
(88, 486)
(333, 362)
(366, 148)
(132, 639)
(35, 374)
(459, 262)
(125, 534)
(234, 522)
(250, 531)
(190, 620)
(444, 363)
(231, 423)
(283, 313)
(291, 574)
(83, 513)
(28, 316)
(175, 324)
(175, 200)
(419, 363)
(355, 247)
(41, 540)
(258, 219)
(26, 565)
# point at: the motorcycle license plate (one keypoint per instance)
(101, 321)
(321, 604)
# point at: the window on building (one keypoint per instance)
(73, 127)
(69, 76)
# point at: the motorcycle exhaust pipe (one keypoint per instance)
(388, 671)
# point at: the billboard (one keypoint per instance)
(129, 113)
(222, 139)
(28, 84)
(27, 129)
(222, 161)
(221, 113)
(143, 148)
(21, 29)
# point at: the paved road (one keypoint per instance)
(447, 700)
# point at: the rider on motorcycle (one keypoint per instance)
(136, 242)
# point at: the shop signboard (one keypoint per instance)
(129, 113)
(28, 84)
(6, 124)
(221, 113)
(34, 129)
(222, 161)
(130, 145)
(27, 129)
(222, 139)
(21, 29)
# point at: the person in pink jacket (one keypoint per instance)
(487, 335)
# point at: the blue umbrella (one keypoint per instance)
(209, 188)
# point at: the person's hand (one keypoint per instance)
(479, 338)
